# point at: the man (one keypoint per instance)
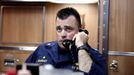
(80, 57)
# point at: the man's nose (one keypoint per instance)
(63, 34)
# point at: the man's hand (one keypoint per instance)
(80, 38)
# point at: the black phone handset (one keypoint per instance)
(69, 44)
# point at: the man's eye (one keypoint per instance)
(68, 29)
(58, 29)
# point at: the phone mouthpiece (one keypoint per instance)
(67, 43)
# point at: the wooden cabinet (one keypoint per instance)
(22, 24)
(17, 56)
(120, 37)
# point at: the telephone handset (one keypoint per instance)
(69, 44)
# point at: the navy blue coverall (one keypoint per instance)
(50, 53)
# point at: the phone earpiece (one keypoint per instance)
(84, 30)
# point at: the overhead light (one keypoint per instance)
(59, 1)
(74, 1)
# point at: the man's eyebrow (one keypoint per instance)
(69, 27)
(58, 26)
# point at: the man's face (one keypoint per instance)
(66, 29)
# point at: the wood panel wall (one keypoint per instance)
(22, 24)
(121, 25)
(121, 35)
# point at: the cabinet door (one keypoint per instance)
(21, 29)
(121, 35)
(22, 24)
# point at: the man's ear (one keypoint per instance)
(82, 26)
